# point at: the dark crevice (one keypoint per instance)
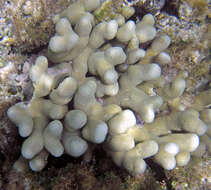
(2, 157)
(174, 132)
(159, 172)
(171, 7)
(99, 157)
(61, 161)
(208, 20)
(88, 74)
(70, 105)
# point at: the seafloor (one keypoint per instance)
(25, 29)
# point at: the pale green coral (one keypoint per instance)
(87, 72)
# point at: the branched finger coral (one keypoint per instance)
(98, 93)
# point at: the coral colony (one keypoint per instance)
(102, 89)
